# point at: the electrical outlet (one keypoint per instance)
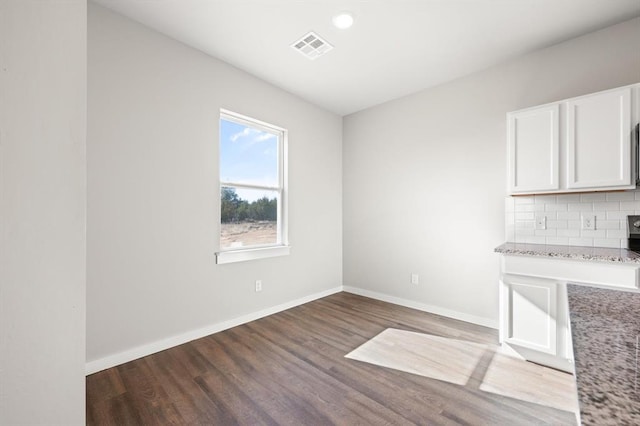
(258, 285)
(415, 279)
(541, 222)
(589, 222)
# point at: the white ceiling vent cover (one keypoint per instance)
(312, 46)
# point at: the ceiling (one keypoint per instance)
(395, 47)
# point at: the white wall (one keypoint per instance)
(42, 211)
(424, 175)
(153, 196)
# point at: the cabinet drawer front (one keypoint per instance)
(596, 273)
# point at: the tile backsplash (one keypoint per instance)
(564, 218)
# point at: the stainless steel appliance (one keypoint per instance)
(634, 232)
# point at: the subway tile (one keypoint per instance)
(616, 233)
(558, 241)
(521, 238)
(574, 224)
(563, 213)
(557, 224)
(580, 207)
(568, 198)
(602, 215)
(619, 215)
(535, 240)
(568, 215)
(525, 207)
(588, 242)
(524, 216)
(607, 206)
(545, 199)
(555, 207)
(593, 196)
(523, 199)
(509, 228)
(606, 242)
(568, 233)
(621, 196)
(629, 205)
(607, 224)
(598, 233)
(525, 224)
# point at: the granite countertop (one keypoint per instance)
(570, 252)
(605, 328)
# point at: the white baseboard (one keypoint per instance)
(160, 345)
(486, 322)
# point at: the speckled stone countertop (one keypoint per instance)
(605, 328)
(570, 252)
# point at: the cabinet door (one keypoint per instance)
(533, 137)
(599, 140)
(531, 314)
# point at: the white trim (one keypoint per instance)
(245, 120)
(160, 345)
(232, 256)
(486, 322)
(280, 248)
(249, 186)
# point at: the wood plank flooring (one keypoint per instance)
(290, 369)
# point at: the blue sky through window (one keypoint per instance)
(248, 155)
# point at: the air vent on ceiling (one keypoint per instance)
(312, 46)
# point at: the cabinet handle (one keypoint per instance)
(636, 133)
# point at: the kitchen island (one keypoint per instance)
(605, 326)
(596, 254)
(577, 309)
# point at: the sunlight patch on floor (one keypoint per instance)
(454, 361)
(526, 381)
(422, 354)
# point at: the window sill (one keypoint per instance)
(233, 256)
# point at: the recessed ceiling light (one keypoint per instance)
(343, 20)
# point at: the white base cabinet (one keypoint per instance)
(535, 320)
(534, 312)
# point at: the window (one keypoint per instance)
(252, 189)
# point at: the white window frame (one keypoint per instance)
(281, 247)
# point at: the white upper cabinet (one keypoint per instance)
(534, 149)
(577, 145)
(599, 140)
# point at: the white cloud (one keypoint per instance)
(264, 137)
(245, 132)
(254, 135)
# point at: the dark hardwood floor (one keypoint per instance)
(289, 369)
